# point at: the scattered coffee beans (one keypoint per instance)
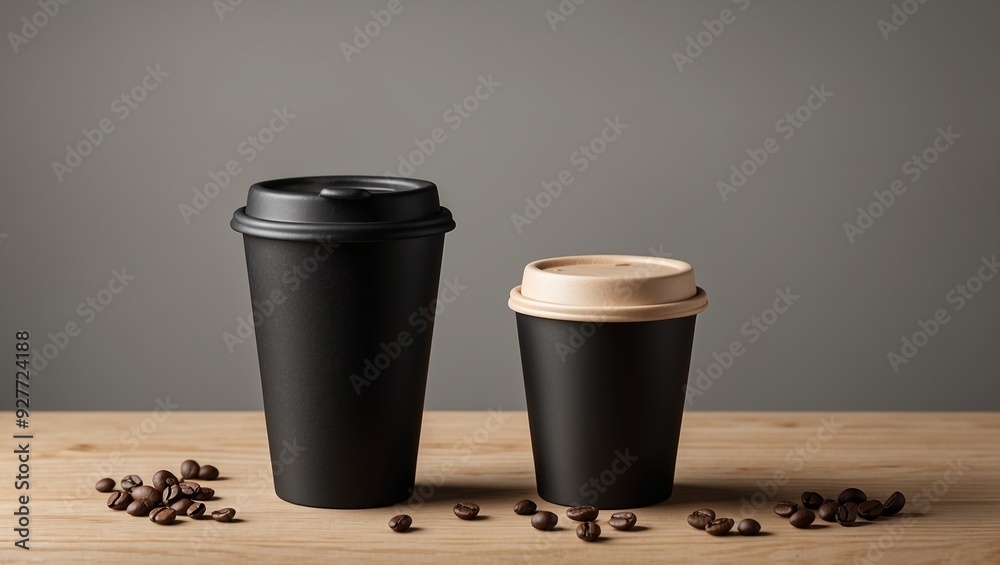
(544, 520)
(400, 523)
(525, 507)
(828, 511)
(146, 493)
(802, 518)
(162, 515)
(208, 473)
(749, 527)
(811, 500)
(855, 495)
(622, 520)
(129, 482)
(466, 510)
(119, 500)
(701, 518)
(196, 510)
(870, 509)
(582, 513)
(224, 515)
(894, 504)
(785, 508)
(588, 531)
(720, 526)
(847, 514)
(181, 506)
(204, 494)
(164, 478)
(189, 469)
(108, 485)
(138, 507)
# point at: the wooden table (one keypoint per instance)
(739, 463)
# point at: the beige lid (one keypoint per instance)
(608, 288)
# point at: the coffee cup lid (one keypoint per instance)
(608, 288)
(343, 208)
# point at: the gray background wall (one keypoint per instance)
(654, 189)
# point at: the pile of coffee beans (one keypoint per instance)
(167, 497)
(845, 510)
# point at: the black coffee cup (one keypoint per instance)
(605, 346)
(343, 276)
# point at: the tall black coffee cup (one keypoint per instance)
(605, 350)
(343, 280)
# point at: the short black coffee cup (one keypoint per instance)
(343, 277)
(605, 346)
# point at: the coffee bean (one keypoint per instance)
(847, 513)
(105, 485)
(164, 478)
(525, 507)
(196, 510)
(544, 520)
(582, 513)
(466, 510)
(400, 523)
(855, 495)
(190, 490)
(622, 520)
(870, 509)
(720, 526)
(189, 469)
(701, 518)
(182, 505)
(749, 527)
(129, 482)
(162, 515)
(138, 507)
(811, 500)
(172, 493)
(785, 508)
(205, 494)
(894, 504)
(208, 473)
(588, 531)
(803, 518)
(146, 493)
(224, 515)
(828, 511)
(119, 500)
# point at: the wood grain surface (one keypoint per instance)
(740, 464)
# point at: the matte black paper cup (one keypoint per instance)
(605, 346)
(343, 277)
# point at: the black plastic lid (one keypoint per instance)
(343, 208)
